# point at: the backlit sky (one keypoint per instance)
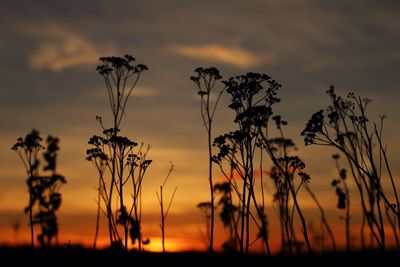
(48, 55)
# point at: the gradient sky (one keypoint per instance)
(50, 49)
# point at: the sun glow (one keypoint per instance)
(171, 245)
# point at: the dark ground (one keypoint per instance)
(77, 256)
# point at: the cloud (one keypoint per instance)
(235, 56)
(59, 49)
(139, 91)
(143, 92)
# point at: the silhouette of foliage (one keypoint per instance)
(252, 98)
(252, 103)
(117, 73)
(284, 172)
(345, 126)
(227, 214)
(119, 160)
(205, 82)
(343, 193)
(134, 231)
(205, 208)
(43, 189)
(27, 149)
(164, 213)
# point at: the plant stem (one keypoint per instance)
(162, 219)
(31, 199)
(210, 180)
(98, 214)
(323, 217)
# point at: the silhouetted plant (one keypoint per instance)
(324, 221)
(118, 159)
(227, 214)
(284, 172)
(345, 126)
(205, 81)
(205, 208)
(120, 76)
(43, 190)
(251, 102)
(343, 194)
(100, 160)
(27, 149)
(49, 196)
(164, 213)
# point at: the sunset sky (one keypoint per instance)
(50, 50)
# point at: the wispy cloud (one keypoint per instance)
(236, 56)
(144, 92)
(59, 49)
(100, 93)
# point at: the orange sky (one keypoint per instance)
(49, 82)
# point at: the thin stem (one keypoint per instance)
(323, 216)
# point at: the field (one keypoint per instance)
(73, 256)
